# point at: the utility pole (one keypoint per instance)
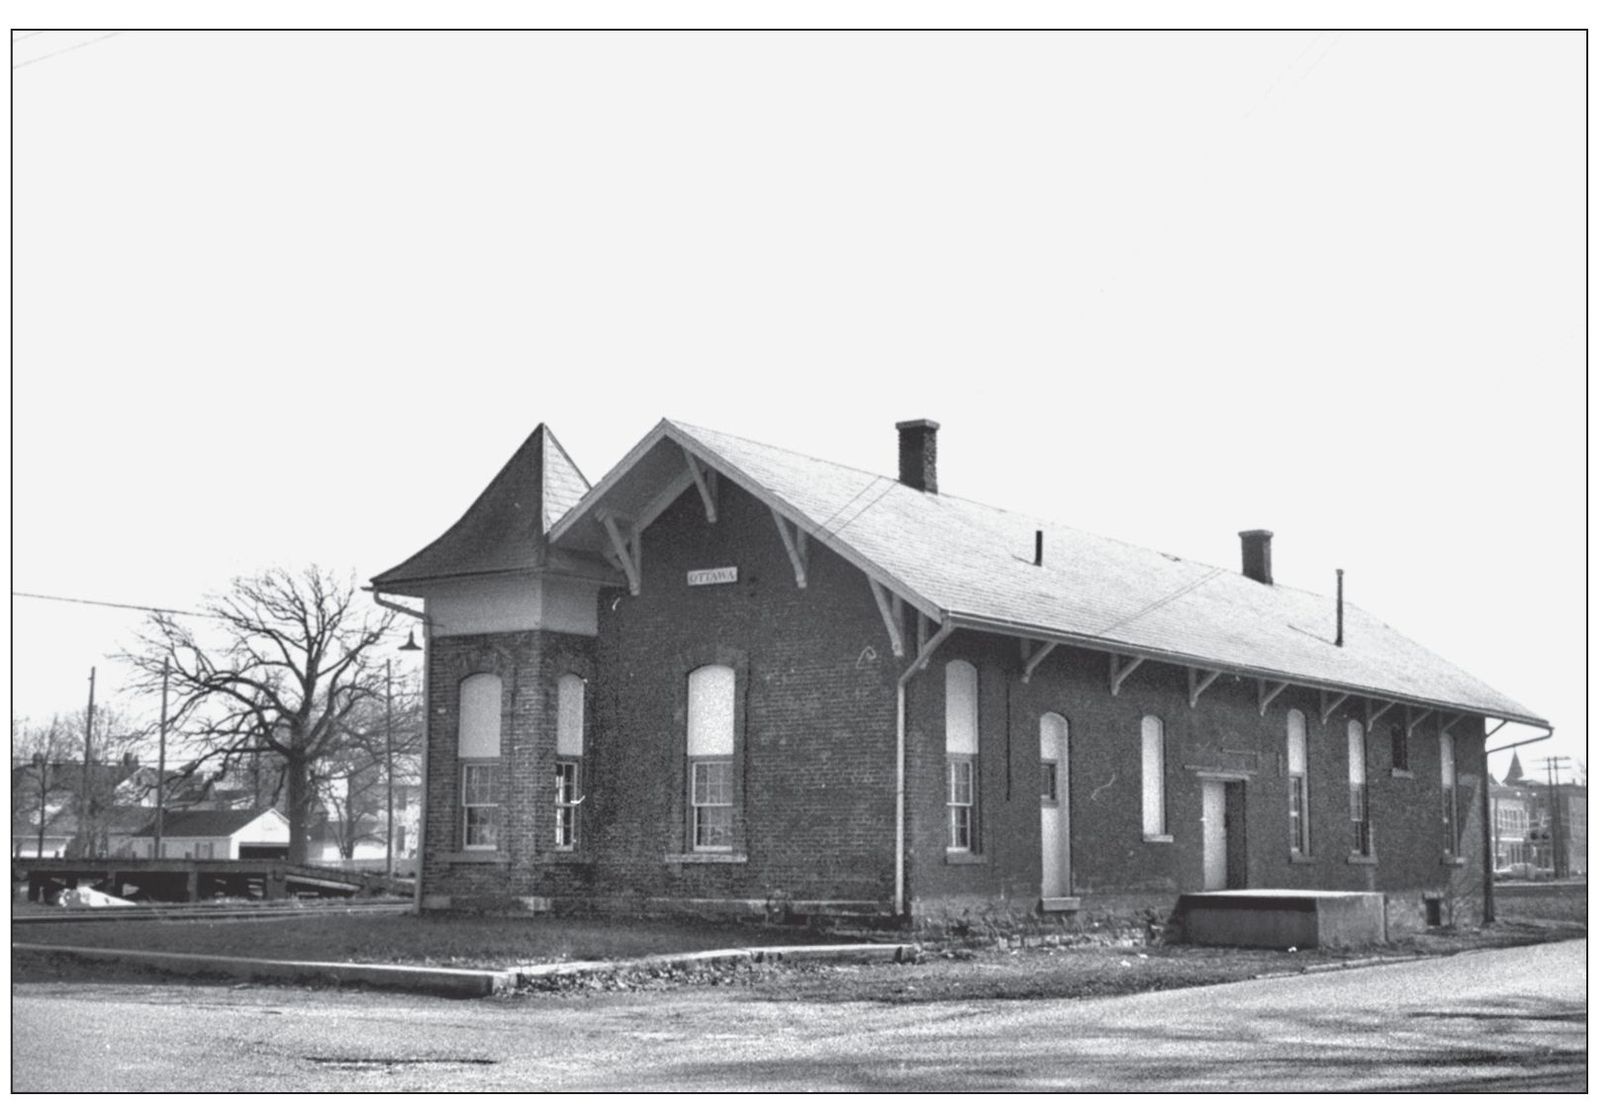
(84, 779)
(1558, 839)
(162, 759)
(389, 833)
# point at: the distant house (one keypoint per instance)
(49, 792)
(216, 835)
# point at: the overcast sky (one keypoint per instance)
(295, 297)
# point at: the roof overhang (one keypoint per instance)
(657, 470)
(1108, 645)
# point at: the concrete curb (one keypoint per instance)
(688, 961)
(464, 982)
(453, 982)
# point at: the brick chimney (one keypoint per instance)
(1256, 554)
(918, 454)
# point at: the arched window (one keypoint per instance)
(1153, 823)
(1054, 753)
(481, 713)
(962, 757)
(710, 741)
(568, 718)
(1446, 767)
(1359, 810)
(1298, 783)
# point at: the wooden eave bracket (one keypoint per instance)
(1032, 660)
(929, 640)
(628, 554)
(1414, 720)
(794, 538)
(1445, 721)
(889, 605)
(705, 482)
(1374, 713)
(1119, 669)
(1268, 691)
(1195, 686)
(1329, 705)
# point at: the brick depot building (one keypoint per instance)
(730, 677)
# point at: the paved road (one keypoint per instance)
(1511, 1019)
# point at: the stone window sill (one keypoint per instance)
(1361, 858)
(706, 858)
(1403, 774)
(1300, 858)
(1453, 861)
(477, 856)
(1159, 838)
(964, 858)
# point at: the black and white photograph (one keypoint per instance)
(632, 551)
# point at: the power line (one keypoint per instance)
(1170, 598)
(64, 50)
(121, 606)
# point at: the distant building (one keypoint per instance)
(216, 835)
(1508, 821)
(46, 808)
(1528, 830)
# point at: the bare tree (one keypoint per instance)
(353, 782)
(48, 776)
(42, 779)
(292, 665)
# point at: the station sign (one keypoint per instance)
(700, 577)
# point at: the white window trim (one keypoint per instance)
(466, 807)
(971, 762)
(1304, 846)
(1154, 798)
(563, 806)
(695, 805)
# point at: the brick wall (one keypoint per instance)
(814, 759)
(1111, 861)
(816, 732)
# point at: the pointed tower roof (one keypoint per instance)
(1514, 773)
(503, 529)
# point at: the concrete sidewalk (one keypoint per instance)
(461, 982)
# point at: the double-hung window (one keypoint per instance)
(962, 758)
(1446, 761)
(480, 745)
(1359, 808)
(1298, 783)
(570, 702)
(711, 717)
(1153, 822)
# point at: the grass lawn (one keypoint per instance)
(443, 940)
(942, 974)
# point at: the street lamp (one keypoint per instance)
(408, 646)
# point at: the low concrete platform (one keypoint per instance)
(452, 982)
(1281, 918)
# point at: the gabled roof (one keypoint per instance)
(203, 823)
(969, 564)
(503, 529)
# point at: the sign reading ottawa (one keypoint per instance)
(699, 577)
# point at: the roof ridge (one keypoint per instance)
(1047, 520)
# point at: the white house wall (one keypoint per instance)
(513, 604)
